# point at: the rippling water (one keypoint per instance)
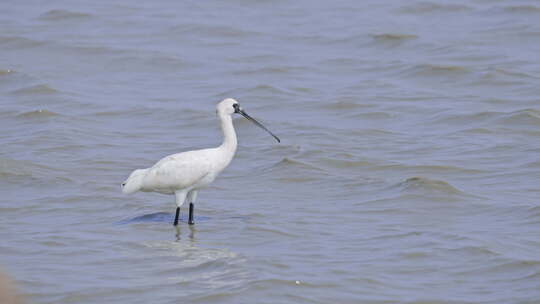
(408, 170)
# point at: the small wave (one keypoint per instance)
(502, 77)
(11, 169)
(273, 230)
(214, 297)
(416, 255)
(93, 50)
(431, 7)
(203, 30)
(290, 163)
(427, 186)
(59, 14)
(527, 117)
(303, 90)
(259, 90)
(300, 179)
(521, 9)
(377, 115)
(466, 119)
(396, 236)
(256, 59)
(512, 269)
(389, 37)
(40, 89)
(434, 70)
(37, 114)
(265, 89)
(14, 42)
(275, 283)
(499, 72)
(393, 36)
(441, 169)
(135, 111)
(476, 131)
(378, 133)
(279, 70)
(158, 62)
(343, 163)
(473, 250)
(291, 170)
(341, 62)
(343, 105)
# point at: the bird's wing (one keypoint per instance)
(177, 171)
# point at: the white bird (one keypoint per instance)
(183, 174)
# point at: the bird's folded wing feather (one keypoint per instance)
(177, 171)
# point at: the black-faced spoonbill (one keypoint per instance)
(183, 174)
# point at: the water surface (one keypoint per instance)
(408, 170)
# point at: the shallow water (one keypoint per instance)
(408, 169)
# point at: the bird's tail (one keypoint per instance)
(134, 181)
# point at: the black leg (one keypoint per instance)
(191, 222)
(176, 217)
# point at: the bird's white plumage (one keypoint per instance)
(178, 171)
(184, 173)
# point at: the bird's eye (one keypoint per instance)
(235, 106)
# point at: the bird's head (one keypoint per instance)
(227, 106)
(230, 106)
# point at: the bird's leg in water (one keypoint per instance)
(190, 221)
(180, 198)
(177, 215)
(192, 196)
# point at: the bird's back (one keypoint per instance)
(178, 171)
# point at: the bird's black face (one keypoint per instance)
(239, 110)
(236, 108)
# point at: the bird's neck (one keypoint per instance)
(229, 135)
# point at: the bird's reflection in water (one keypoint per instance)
(191, 235)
